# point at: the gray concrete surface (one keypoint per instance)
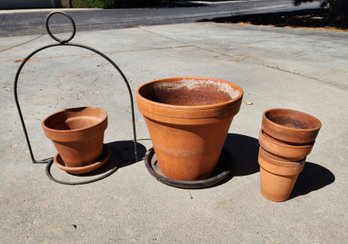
(277, 67)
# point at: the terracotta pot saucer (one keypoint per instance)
(222, 172)
(104, 157)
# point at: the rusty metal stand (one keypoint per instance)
(66, 43)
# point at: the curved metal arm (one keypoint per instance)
(66, 43)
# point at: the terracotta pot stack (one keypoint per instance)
(286, 138)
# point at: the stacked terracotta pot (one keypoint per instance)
(286, 138)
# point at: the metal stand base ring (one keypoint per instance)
(51, 177)
(222, 172)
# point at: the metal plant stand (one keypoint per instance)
(66, 43)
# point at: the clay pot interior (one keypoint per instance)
(291, 126)
(293, 119)
(74, 119)
(188, 92)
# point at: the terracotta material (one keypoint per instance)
(277, 158)
(77, 134)
(188, 119)
(277, 178)
(83, 169)
(290, 126)
(284, 150)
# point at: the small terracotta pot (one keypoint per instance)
(290, 126)
(284, 150)
(77, 134)
(188, 119)
(277, 178)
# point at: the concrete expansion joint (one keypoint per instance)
(167, 37)
(186, 44)
(21, 44)
(329, 83)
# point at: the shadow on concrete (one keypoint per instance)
(122, 156)
(242, 158)
(244, 151)
(125, 151)
(312, 178)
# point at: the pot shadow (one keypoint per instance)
(122, 155)
(243, 156)
(125, 151)
(312, 178)
(244, 152)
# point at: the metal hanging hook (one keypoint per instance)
(64, 41)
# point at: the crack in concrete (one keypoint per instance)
(109, 52)
(21, 44)
(326, 82)
(167, 37)
(329, 83)
(185, 44)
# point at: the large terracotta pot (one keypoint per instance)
(77, 134)
(290, 126)
(188, 119)
(277, 177)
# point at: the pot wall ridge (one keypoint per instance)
(279, 168)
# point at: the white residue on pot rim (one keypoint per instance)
(192, 84)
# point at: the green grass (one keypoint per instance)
(92, 3)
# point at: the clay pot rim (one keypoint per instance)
(191, 107)
(319, 124)
(281, 160)
(278, 163)
(270, 139)
(103, 119)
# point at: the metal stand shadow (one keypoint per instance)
(65, 43)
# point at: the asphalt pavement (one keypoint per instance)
(29, 22)
(296, 68)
